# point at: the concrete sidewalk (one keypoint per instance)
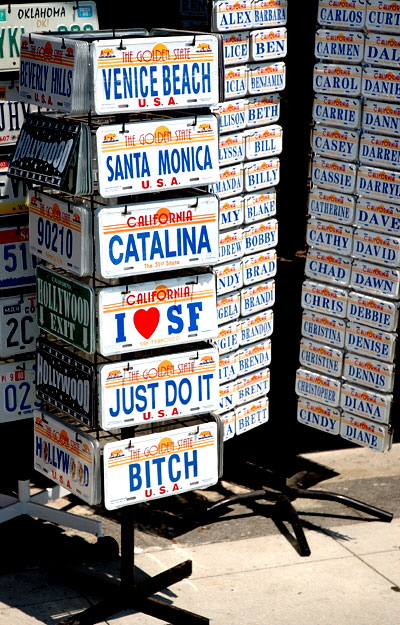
(352, 576)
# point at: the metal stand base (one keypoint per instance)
(285, 510)
(35, 506)
(128, 595)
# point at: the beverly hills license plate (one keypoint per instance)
(160, 464)
(153, 73)
(170, 234)
(15, 19)
(17, 390)
(157, 155)
(60, 232)
(156, 389)
(157, 314)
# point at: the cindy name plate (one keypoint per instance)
(161, 464)
(318, 416)
(157, 313)
(157, 155)
(170, 234)
(156, 389)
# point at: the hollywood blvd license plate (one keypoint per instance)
(160, 465)
(156, 389)
(150, 237)
(153, 73)
(157, 155)
(67, 456)
(156, 314)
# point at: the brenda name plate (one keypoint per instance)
(323, 328)
(156, 155)
(371, 311)
(318, 416)
(255, 356)
(325, 299)
(156, 389)
(154, 314)
(67, 456)
(336, 110)
(160, 464)
(170, 234)
(365, 433)
(251, 415)
(367, 404)
(314, 386)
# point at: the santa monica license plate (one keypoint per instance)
(157, 155)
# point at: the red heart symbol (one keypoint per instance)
(146, 321)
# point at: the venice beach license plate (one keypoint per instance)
(152, 73)
(157, 155)
(157, 314)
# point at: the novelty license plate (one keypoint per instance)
(347, 15)
(339, 47)
(380, 184)
(376, 247)
(381, 83)
(337, 79)
(259, 267)
(262, 109)
(381, 117)
(235, 81)
(59, 232)
(373, 312)
(17, 265)
(269, 13)
(17, 391)
(227, 16)
(323, 328)
(324, 358)
(160, 465)
(229, 277)
(380, 216)
(157, 155)
(264, 142)
(231, 212)
(254, 356)
(66, 308)
(269, 44)
(331, 237)
(256, 327)
(335, 143)
(260, 205)
(251, 415)
(227, 397)
(67, 456)
(369, 372)
(252, 386)
(231, 148)
(230, 181)
(318, 416)
(140, 238)
(18, 327)
(228, 337)
(155, 314)
(228, 420)
(337, 207)
(325, 299)
(266, 77)
(261, 174)
(157, 389)
(317, 387)
(369, 342)
(365, 433)
(382, 50)
(332, 174)
(327, 267)
(236, 47)
(336, 110)
(228, 307)
(15, 19)
(260, 236)
(140, 74)
(232, 115)
(380, 151)
(12, 112)
(383, 16)
(375, 279)
(13, 192)
(255, 298)
(363, 402)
